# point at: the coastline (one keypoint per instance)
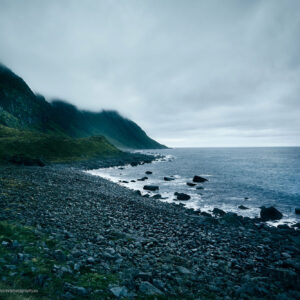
(149, 247)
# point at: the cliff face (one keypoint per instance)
(21, 108)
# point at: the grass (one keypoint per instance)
(40, 262)
(52, 148)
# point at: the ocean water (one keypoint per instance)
(252, 177)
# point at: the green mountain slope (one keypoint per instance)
(52, 148)
(21, 108)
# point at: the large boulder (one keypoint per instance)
(199, 179)
(270, 214)
(219, 212)
(182, 196)
(168, 178)
(151, 187)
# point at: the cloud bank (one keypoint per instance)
(191, 73)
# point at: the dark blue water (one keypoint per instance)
(237, 176)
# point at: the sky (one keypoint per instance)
(190, 73)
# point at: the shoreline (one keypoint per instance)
(150, 247)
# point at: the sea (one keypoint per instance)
(252, 177)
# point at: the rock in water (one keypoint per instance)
(297, 211)
(270, 214)
(190, 184)
(168, 178)
(199, 179)
(243, 207)
(182, 196)
(219, 212)
(151, 187)
(148, 172)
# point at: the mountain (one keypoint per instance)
(22, 109)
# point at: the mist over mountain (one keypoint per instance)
(22, 109)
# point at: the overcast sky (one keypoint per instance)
(190, 73)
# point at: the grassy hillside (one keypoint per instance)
(20, 108)
(52, 148)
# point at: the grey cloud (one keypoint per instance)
(189, 72)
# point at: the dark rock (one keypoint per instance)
(151, 187)
(199, 179)
(205, 214)
(190, 184)
(26, 161)
(297, 211)
(143, 178)
(157, 196)
(148, 172)
(138, 192)
(270, 213)
(218, 212)
(168, 178)
(182, 196)
(133, 164)
(243, 207)
(199, 188)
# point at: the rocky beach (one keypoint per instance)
(86, 237)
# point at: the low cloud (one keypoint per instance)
(196, 73)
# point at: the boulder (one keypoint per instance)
(297, 211)
(148, 172)
(148, 289)
(199, 179)
(190, 184)
(134, 164)
(270, 213)
(182, 196)
(143, 178)
(219, 212)
(199, 188)
(157, 196)
(168, 178)
(243, 207)
(151, 187)
(119, 291)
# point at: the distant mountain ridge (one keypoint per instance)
(21, 108)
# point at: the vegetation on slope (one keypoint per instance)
(20, 108)
(52, 148)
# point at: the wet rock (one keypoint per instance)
(218, 212)
(143, 178)
(148, 289)
(133, 164)
(157, 196)
(190, 184)
(168, 178)
(199, 179)
(199, 188)
(205, 214)
(148, 172)
(270, 214)
(182, 196)
(151, 187)
(243, 207)
(138, 192)
(297, 211)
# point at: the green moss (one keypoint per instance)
(38, 261)
(52, 148)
